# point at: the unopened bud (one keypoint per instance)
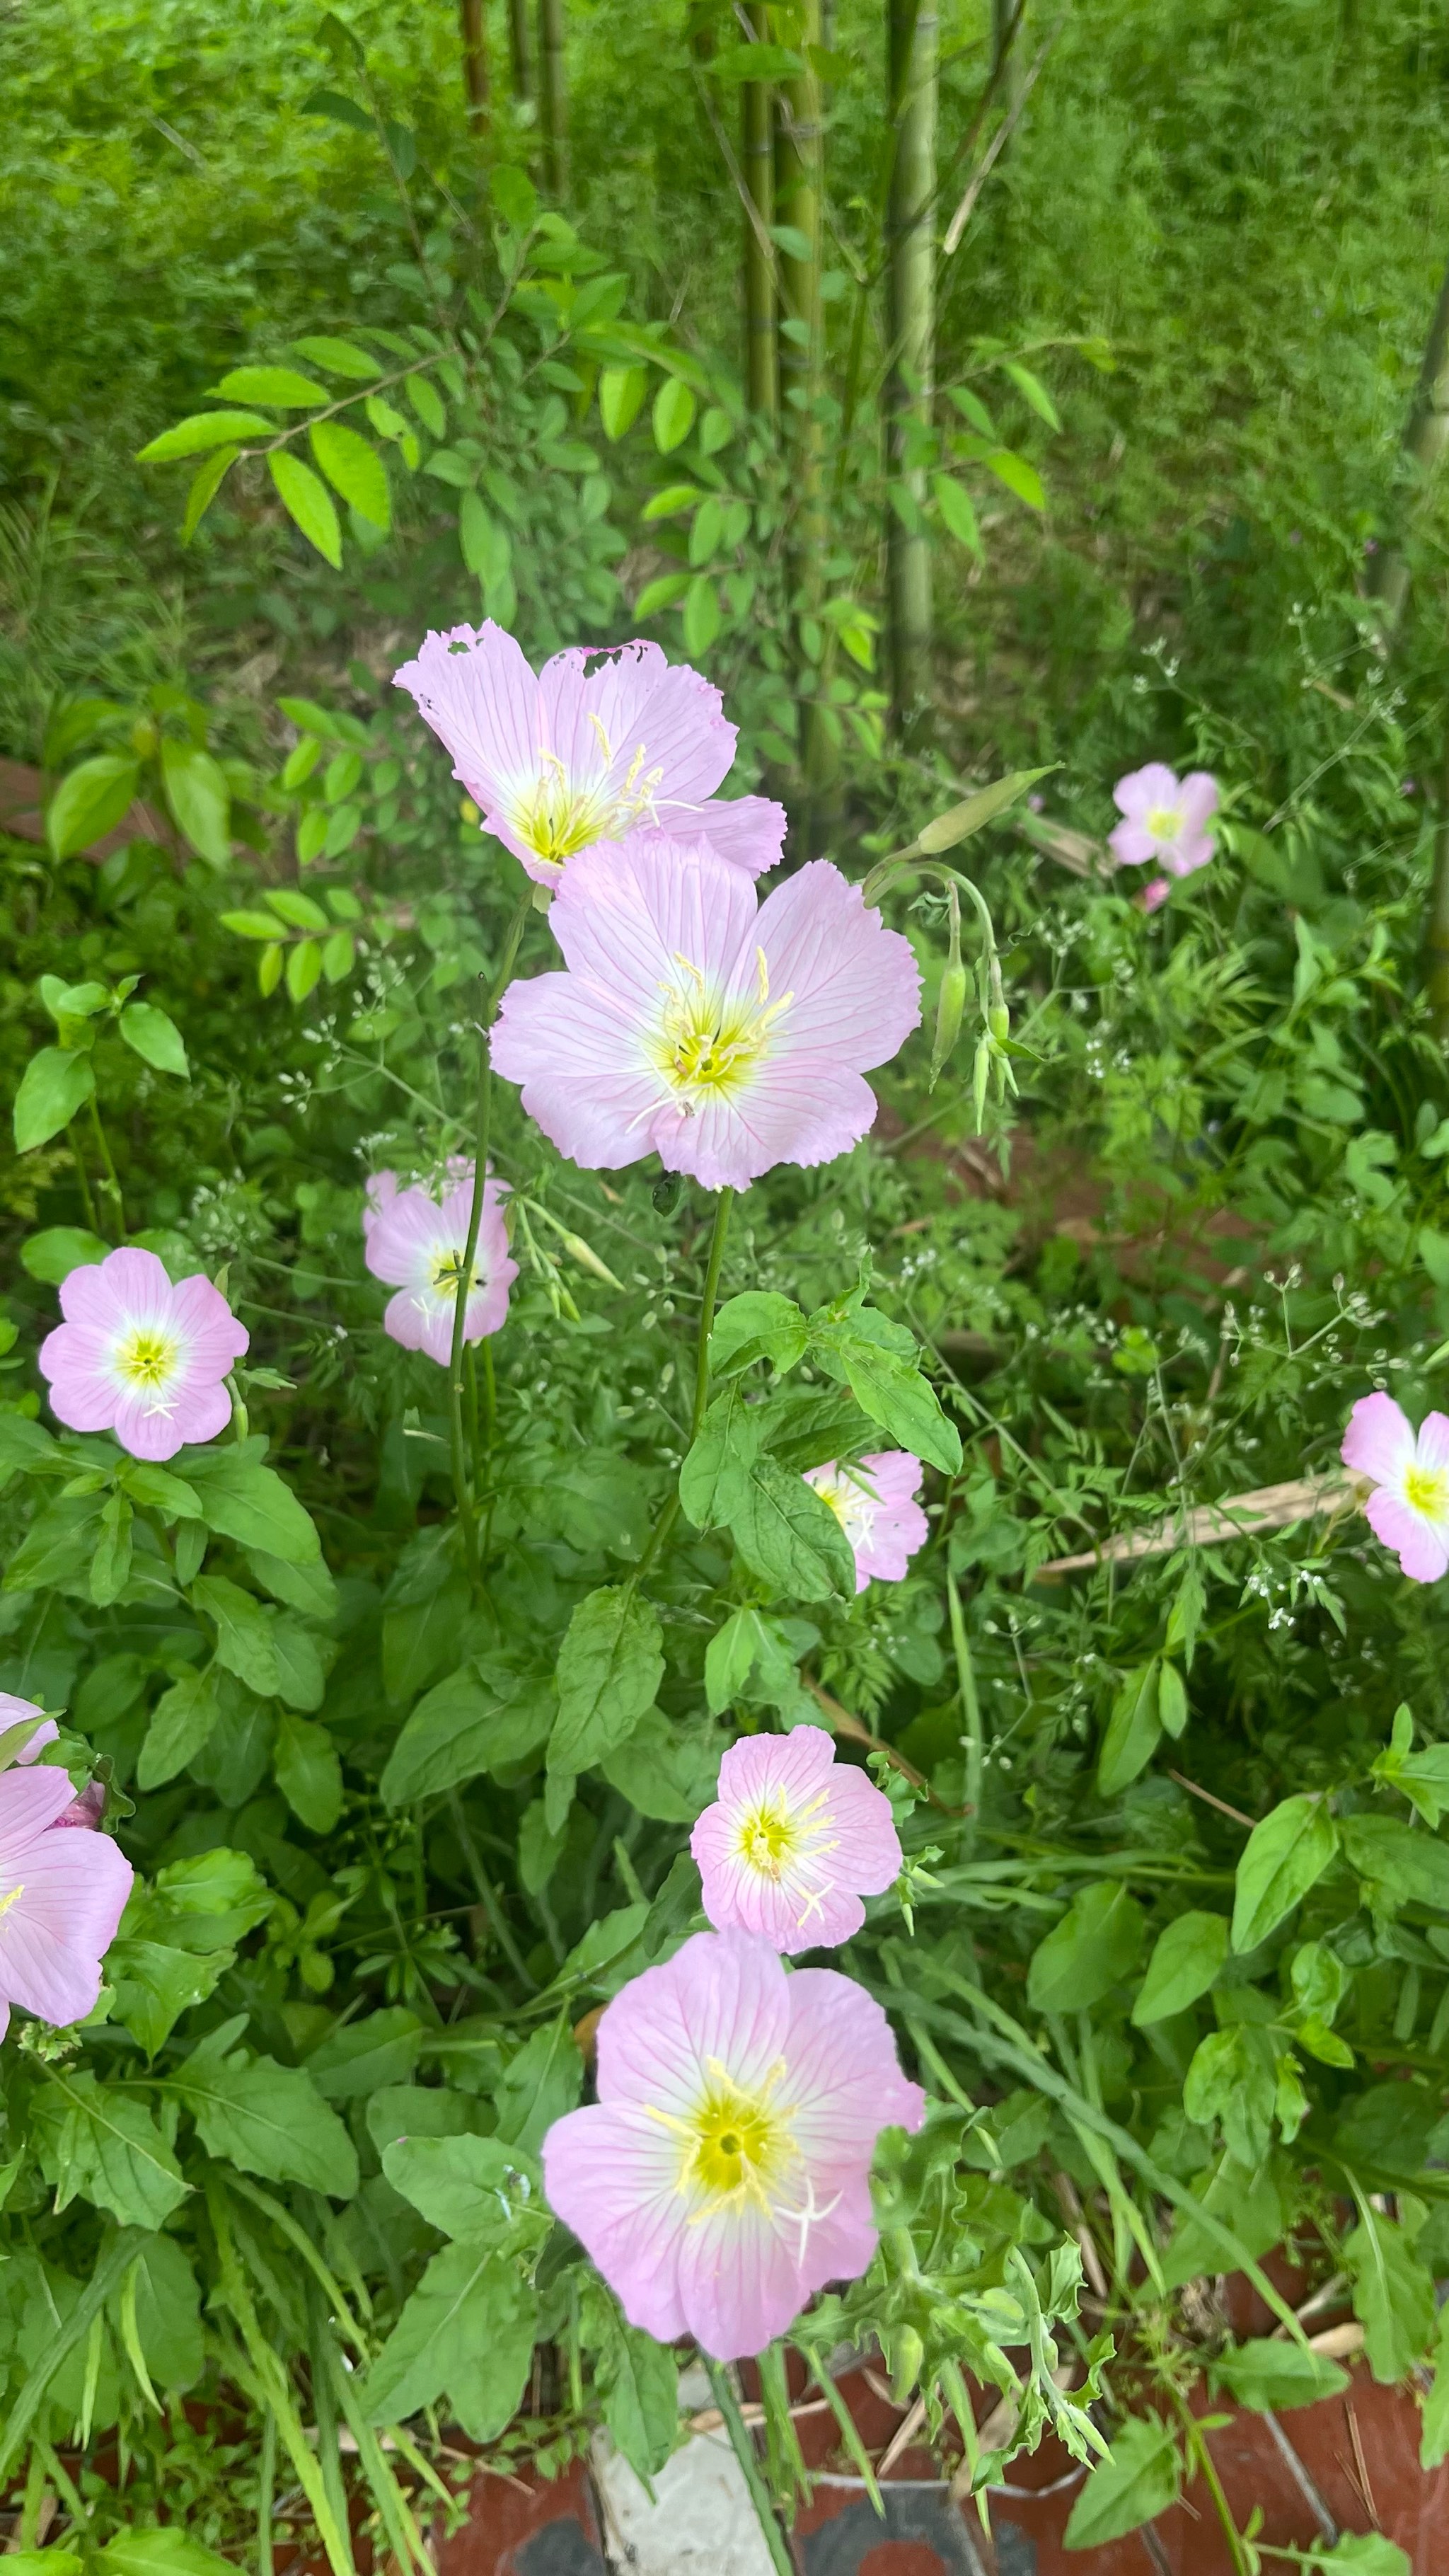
(908, 2353)
(980, 1078)
(949, 1010)
(998, 1021)
(587, 1259)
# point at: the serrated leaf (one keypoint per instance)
(1137, 2482)
(307, 501)
(353, 467)
(205, 429)
(282, 387)
(609, 1668)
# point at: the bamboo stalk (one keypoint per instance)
(757, 159)
(911, 280)
(1436, 928)
(1008, 49)
(475, 64)
(1426, 436)
(518, 49)
(553, 97)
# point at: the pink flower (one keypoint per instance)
(794, 1842)
(1154, 895)
(723, 1034)
(722, 2177)
(1166, 819)
(62, 1895)
(1409, 1507)
(417, 1246)
(141, 1358)
(88, 1806)
(579, 755)
(874, 1500)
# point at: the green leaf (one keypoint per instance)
(154, 1984)
(308, 1588)
(55, 1084)
(1018, 476)
(282, 387)
(1134, 2484)
(1133, 1731)
(167, 2308)
(97, 2144)
(703, 617)
(1361, 2553)
(609, 1667)
(342, 111)
(1184, 1964)
(467, 2330)
(480, 1718)
(638, 2380)
(57, 1546)
(514, 195)
(757, 1325)
(1403, 1864)
(878, 1361)
(1434, 2445)
(665, 1771)
(181, 1722)
(307, 501)
(427, 402)
(205, 484)
(341, 357)
(204, 1905)
(1096, 1944)
(243, 1631)
(164, 2550)
(154, 1036)
(304, 966)
(269, 2119)
(1266, 2375)
(309, 1774)
(205, 429)
(1285, 1855)
(199, 798)
(301, 1668)
(363, 2056)
(353, 467)
(958, 514)
(673, 414)
(90, 801)
(1393, 2295)
(469, 2188)
(621, 398)
(543, 2081)
(787, 1535)
(730, 1439)
(1389, 2131)
(959, 822)
(1034, 390)
(111, 1563)
(52, 1255)
(1233, 2078)
(251, 1504)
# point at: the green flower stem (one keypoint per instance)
(1198, 2451)
(781, 2557)
(112, 1182)
(970, 1713)
(670, 1513)
(266, 2495)
(462, 1494)
(84, 1178)
(489, 1894)
(34, 2500)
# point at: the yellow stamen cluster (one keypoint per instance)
(708, 1047)
(1426, 1489)
(734, 2143)
(558, 815)
(447, 1272)
(147, 1358)
(1164, 822)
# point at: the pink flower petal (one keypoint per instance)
(72, 1893)
(1154, 896)
(1142, 789)
(1421, 1545)
(1433, 1442)
(748, 831)
(1379, 1441)
(1132, 845)
(1197, 798)
(793, 1841)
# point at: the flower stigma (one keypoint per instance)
(1426, 1490)
(147, 1358)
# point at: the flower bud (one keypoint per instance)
(949, 1009)
(998, 1021)
(980, 1078)
(908, 2354)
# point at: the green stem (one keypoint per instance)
(970, 1711)
(30, 2510)
(1198, 2450)
(744, 2450)
(670, 1513)
(112, 1181)
(324, 2407)
(482, 1120)
(83, 1176)
(470, 1372)
(489, 1894)
(553, 97)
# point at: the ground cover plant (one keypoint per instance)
(848, 1747)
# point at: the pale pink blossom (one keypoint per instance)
(88, 1806)
(695, 1022)
(141, 1358)
(416, 1245)
(794, 1842)
(1164, 818)
(1409, 1506)
(722, 2176)
(874, 1500)
(1154, 895)
(598, 742)
(62, 1895)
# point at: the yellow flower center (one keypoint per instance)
(769, 1836)
(706, 1047)
(1426, 1489)
(736, 2143)
(448, 1270)
(1164, 822)
(147, 1357)
(11, 1897)
(558, 815)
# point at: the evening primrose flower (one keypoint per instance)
(62, 1895)
(874, 1500)
(1409, 1506)
(417, 1245)
(794, 1842)
(597, 743)
(1164, 818)
(694, 1022)
(140, 1358)
(722, 2176)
